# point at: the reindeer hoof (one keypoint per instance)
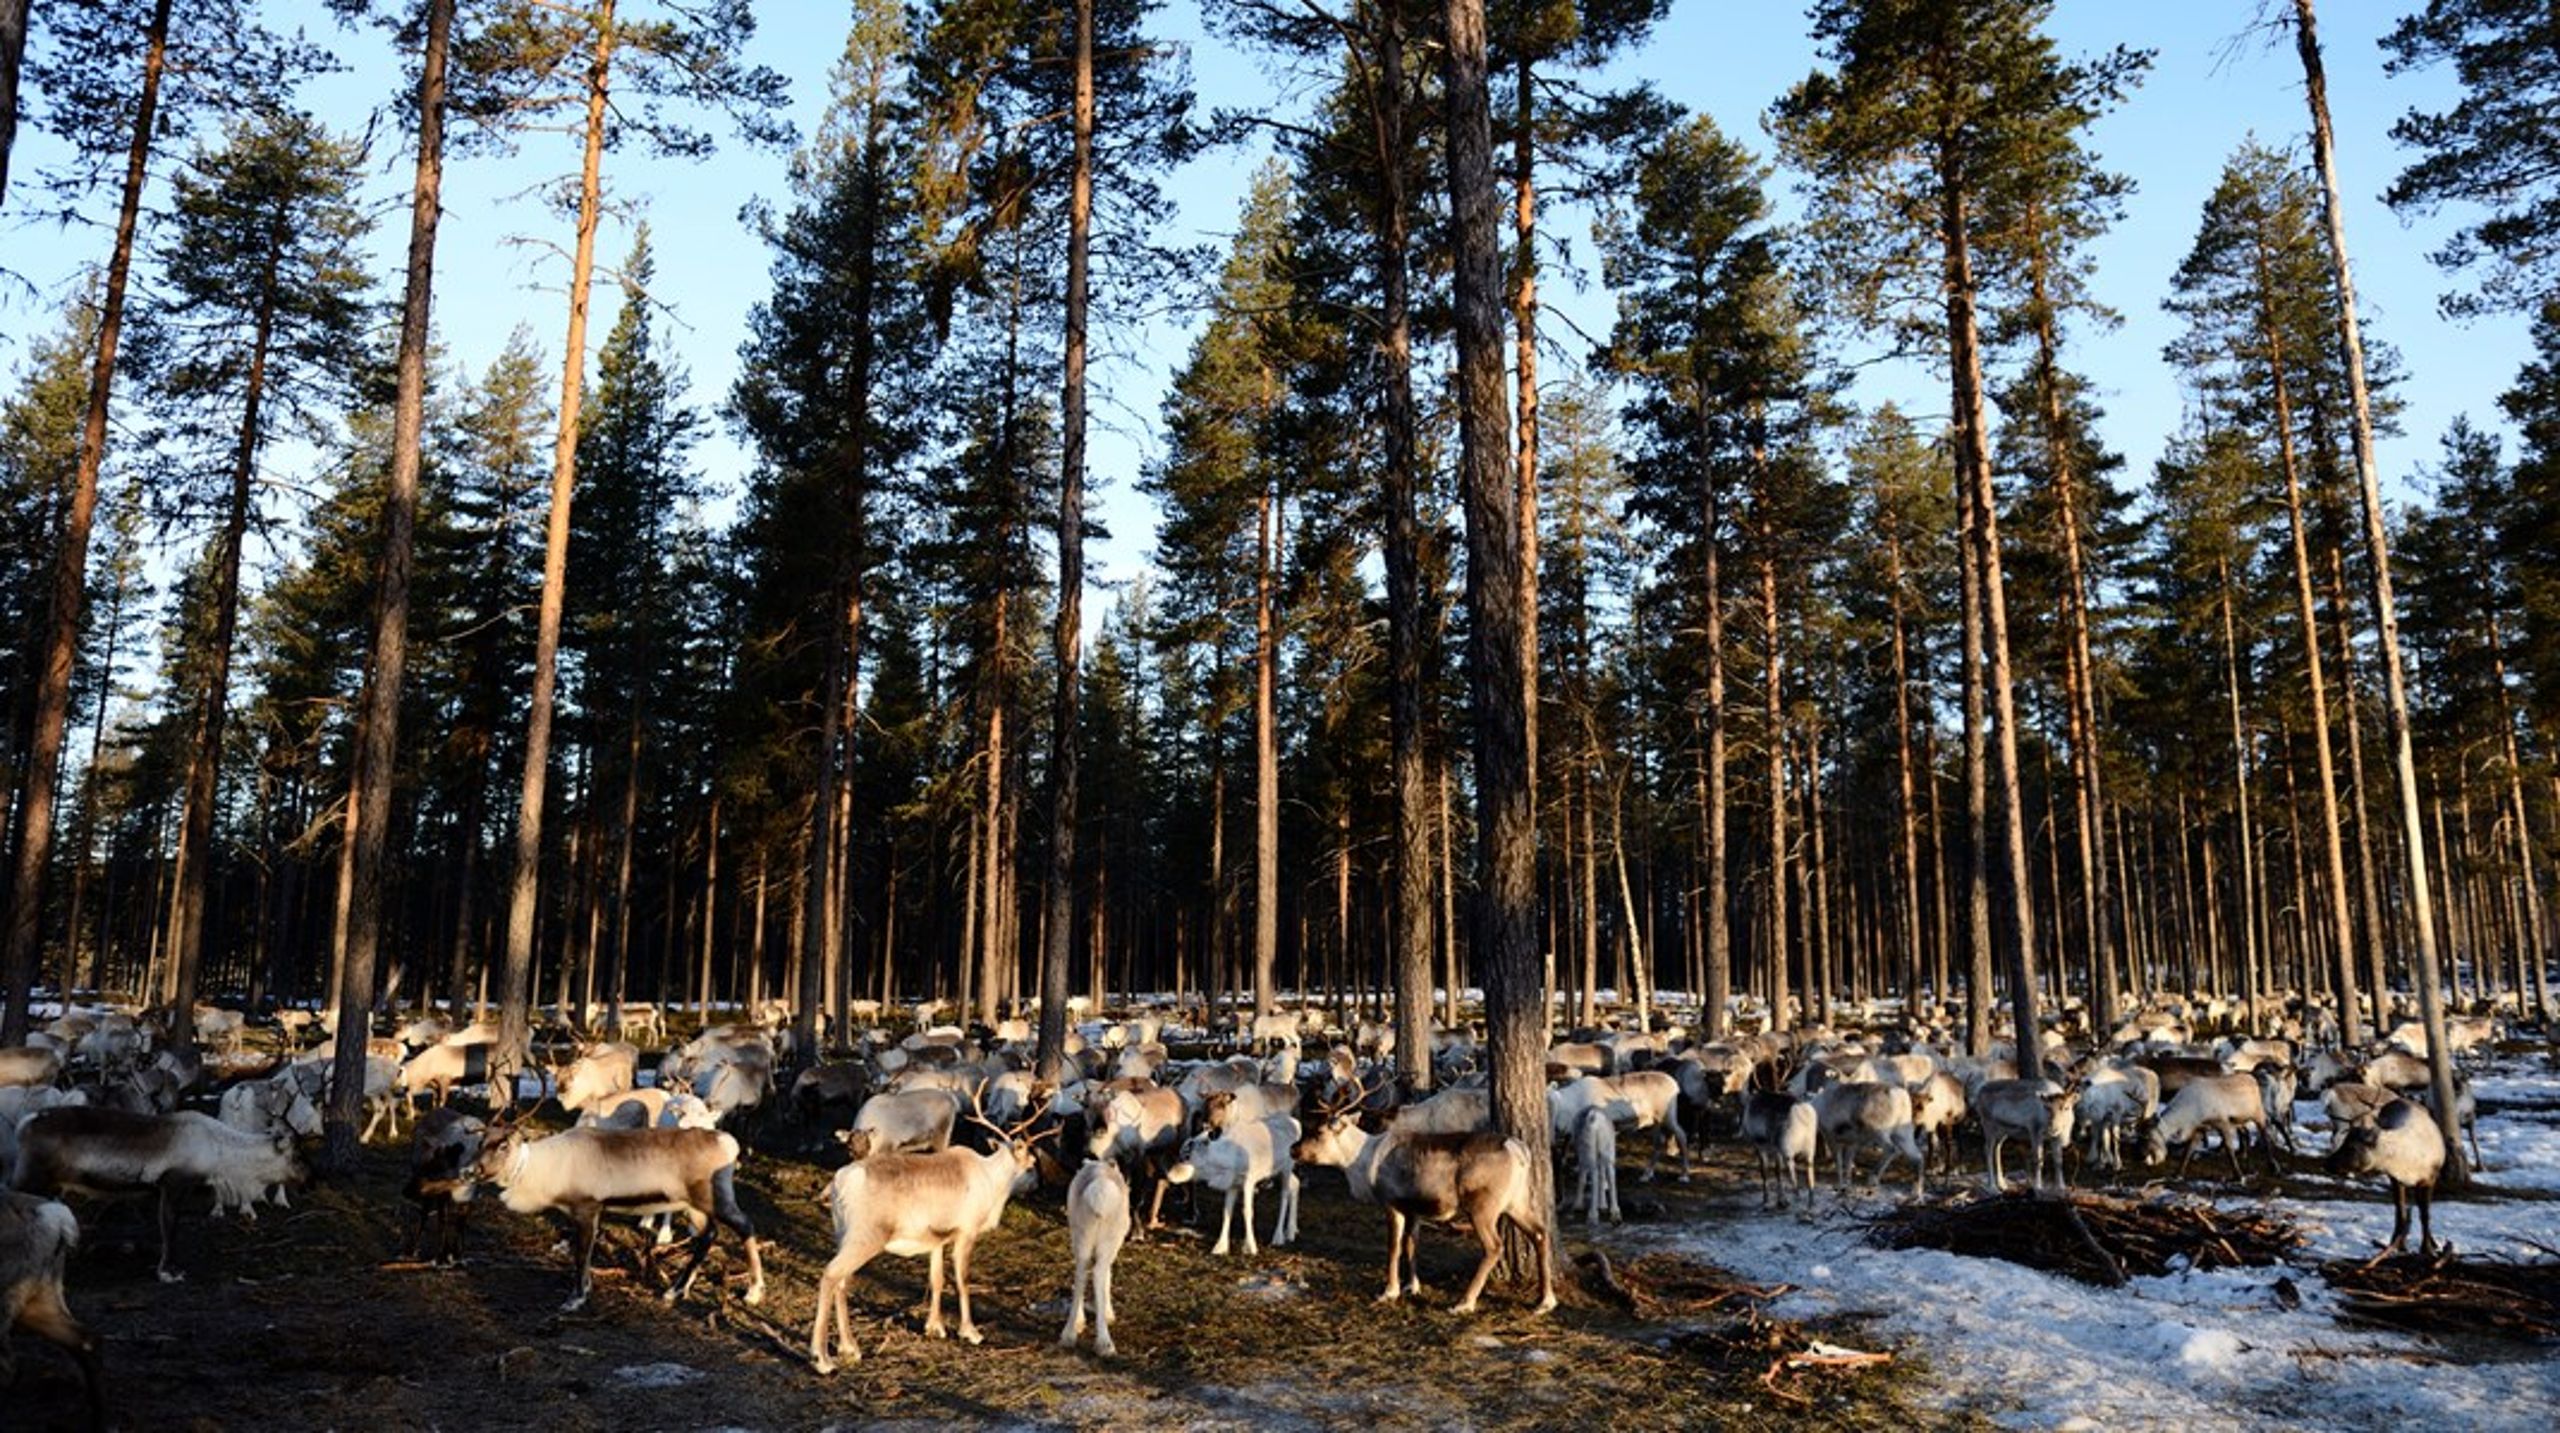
(1466, 1308)
(1545, 1305)
(172, 1276)
(1390, 1296)
(755, 1292)
(824, 1367)
(575, 1304)
(1102, 1348)
(669, 1296)
(971, 1336)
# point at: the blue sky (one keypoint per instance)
(2204, 95)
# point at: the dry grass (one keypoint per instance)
(311, 1320)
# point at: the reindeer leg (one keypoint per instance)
(933, 1316)
(724, 1207)
(960, 1248)
(1082, 1276)
(1395, 1253)
(1102, 1303)
(1250, 1248)
(1488, 1231)
(168, 1231)
(701, 1201)
(49, 1318)
(590, 1217)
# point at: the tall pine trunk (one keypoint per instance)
(1266, 758)
(43, 763)
(381, 700)
(1066, 642)
(1409, 940)
(1500, 637)
(2386, 614)
(524, 873)
(2333, 846)
(2079, 674)
(204, 764)
(1774, 737)
(1973, 457)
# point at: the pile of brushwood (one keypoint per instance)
(2089, 1237)
(1668, 1285)
(2440, 1293)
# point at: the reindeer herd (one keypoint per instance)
(943, 1127)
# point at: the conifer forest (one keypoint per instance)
(1189, 591)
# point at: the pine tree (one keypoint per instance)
(1920, 134)
(532, 59)
(2493, 148)
(1691, 256)
(833, 371)
(1501, 634)
(264, 242)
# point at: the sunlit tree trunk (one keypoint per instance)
(1057, 939)
(379, 728)
(69, 588)
(1500, 639)
(2386, 613)
(524, 874)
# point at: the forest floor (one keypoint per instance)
(310, 1319)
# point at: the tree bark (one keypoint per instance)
(1974, 459)
(1066, 642)
(204, 766)
(1499, 641)
(43, 763)
(2333, 846)
(1409, 941)
(371, 817)
(1266, 760)
(2386, 616)
(525, 872)
(1524, 317)
(13, 49)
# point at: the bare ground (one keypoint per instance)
(311, 1320)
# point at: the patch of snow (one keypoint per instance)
(2035, 1351)
(658, 1375)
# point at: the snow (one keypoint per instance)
(658, 1375)
(2030, 1350)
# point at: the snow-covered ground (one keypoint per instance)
(2031, 1350)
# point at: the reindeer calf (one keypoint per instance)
(1097, 1225)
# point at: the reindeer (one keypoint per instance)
(910, 1204)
